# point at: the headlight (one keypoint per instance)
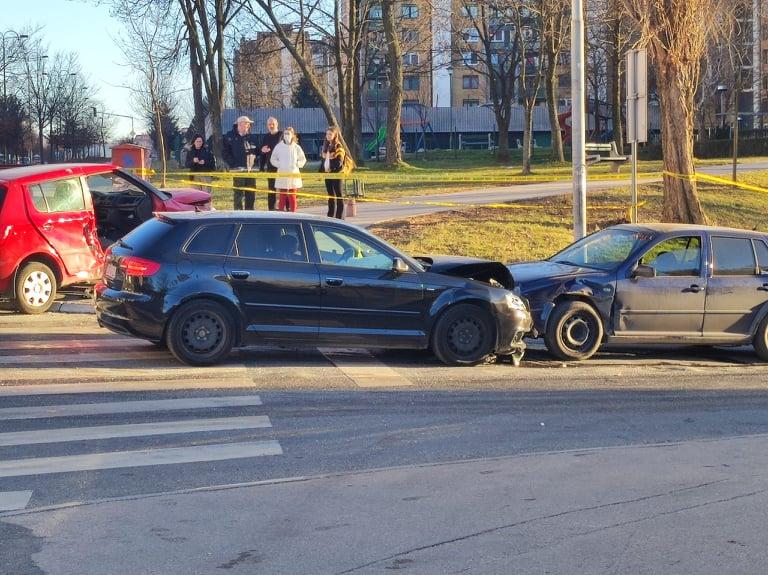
(514, 302)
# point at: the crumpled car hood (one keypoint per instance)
(486, 271)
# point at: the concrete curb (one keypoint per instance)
(72, 307)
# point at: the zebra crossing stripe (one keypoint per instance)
(14, 500)
(138, 458)
(64, 435)
(79, 358)
(85, 409)
(363, 369)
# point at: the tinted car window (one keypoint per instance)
(675, 257)
(271, 242)
(64, 195)
(212, 240)
(111, 184)
(762, 254)
(148, 235)
(733, 257)
(38, 199)
(343, 249)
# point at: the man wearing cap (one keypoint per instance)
(268, 142)
(239, 152)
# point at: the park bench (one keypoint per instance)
(596, 150)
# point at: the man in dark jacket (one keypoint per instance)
(268, 143)
(239, 152)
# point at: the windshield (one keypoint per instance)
(602, 250)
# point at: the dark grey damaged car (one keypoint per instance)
(650, 284)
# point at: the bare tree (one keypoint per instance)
(555, 25)
(395, 75)
(677, 33)
(528, 28)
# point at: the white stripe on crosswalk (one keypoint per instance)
(212, 381)
(80, 409)
(364, 369)
(94, 374)
(79, 343)
(14, 500)
(133, 430)
(140, 458)
(84, 357)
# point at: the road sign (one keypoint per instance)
(637, 96)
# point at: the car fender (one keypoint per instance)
(761, 315)
(453, 296)
(598, 294)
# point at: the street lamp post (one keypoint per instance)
(9, 34)
(578, 131)
(450, 104)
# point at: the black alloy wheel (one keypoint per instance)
(464, 335)
(574, 331)
(200, 333)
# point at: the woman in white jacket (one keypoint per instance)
(288, 158)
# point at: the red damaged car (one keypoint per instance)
(56, 220)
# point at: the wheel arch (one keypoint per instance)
(41, 258)
(229, 305)
(468, 299)
(569, 297)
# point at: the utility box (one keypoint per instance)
(132, 157)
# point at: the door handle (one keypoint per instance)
(334, 282)
(694, 288)
(763, 287)
(239, 274)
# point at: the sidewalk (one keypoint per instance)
(693, 507)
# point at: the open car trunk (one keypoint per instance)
(486, 271)
(118, 213)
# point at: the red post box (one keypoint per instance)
(132, 157)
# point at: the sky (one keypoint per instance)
(87, 29)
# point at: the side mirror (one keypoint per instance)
(764, 271)
(643, 271)
(399, 266)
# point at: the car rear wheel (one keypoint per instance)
(200, 333)
(761, 340)
(574, 331)
(463, 335)
(35, 288)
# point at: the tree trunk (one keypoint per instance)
(395, 102)
(502, 122)
(198, 121)
(681, 202)
(527, 140)
(554, 123)
(616, 100)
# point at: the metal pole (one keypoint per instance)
(578, 133)
(736, 96)
(633, 209)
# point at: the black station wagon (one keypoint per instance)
(651, 284)
(203, 283)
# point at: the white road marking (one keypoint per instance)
(363, 369)
(81, 409)
(139, 458)
(223, 381)
(99, 375)
(69, 344)
(14, 500)
(76, 357)
(133, 430)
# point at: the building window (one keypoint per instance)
(498, 35)
(410, 103)
(410, 36)
(376, 13)
(411, 59)
(471, 36)
(410, 11)
(470, 82)
(469, 58)
(470, 10)
(564, 81)
(411, 82)
(494, 59)
(470, 103)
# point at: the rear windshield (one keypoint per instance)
(147, 235)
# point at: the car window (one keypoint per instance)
(761, 248)
(271, 242)
(63, 195)
(111, 183)
(675, 257)
(341, 248)
(38, 199)
(211, 240)
(605, 249)
(733, 257)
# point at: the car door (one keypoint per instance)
(669, 306)
(278, 287)
(62, 214)
(364, 301)
(737, 291)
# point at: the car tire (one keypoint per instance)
(36, 288)
(760, 343)
(463, 335)
(574, 331)
(200, 333)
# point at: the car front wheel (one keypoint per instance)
(574, 331)
(200, 333)
(463, 335)
(761, 340)
(35, 288)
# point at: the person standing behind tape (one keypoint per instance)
(239, 152)
(288, 158)
(332, 162)
(200, 159)
(268, 142)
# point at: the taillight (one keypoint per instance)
(138, 267)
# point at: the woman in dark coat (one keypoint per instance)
(332, 162)
(200, 159)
